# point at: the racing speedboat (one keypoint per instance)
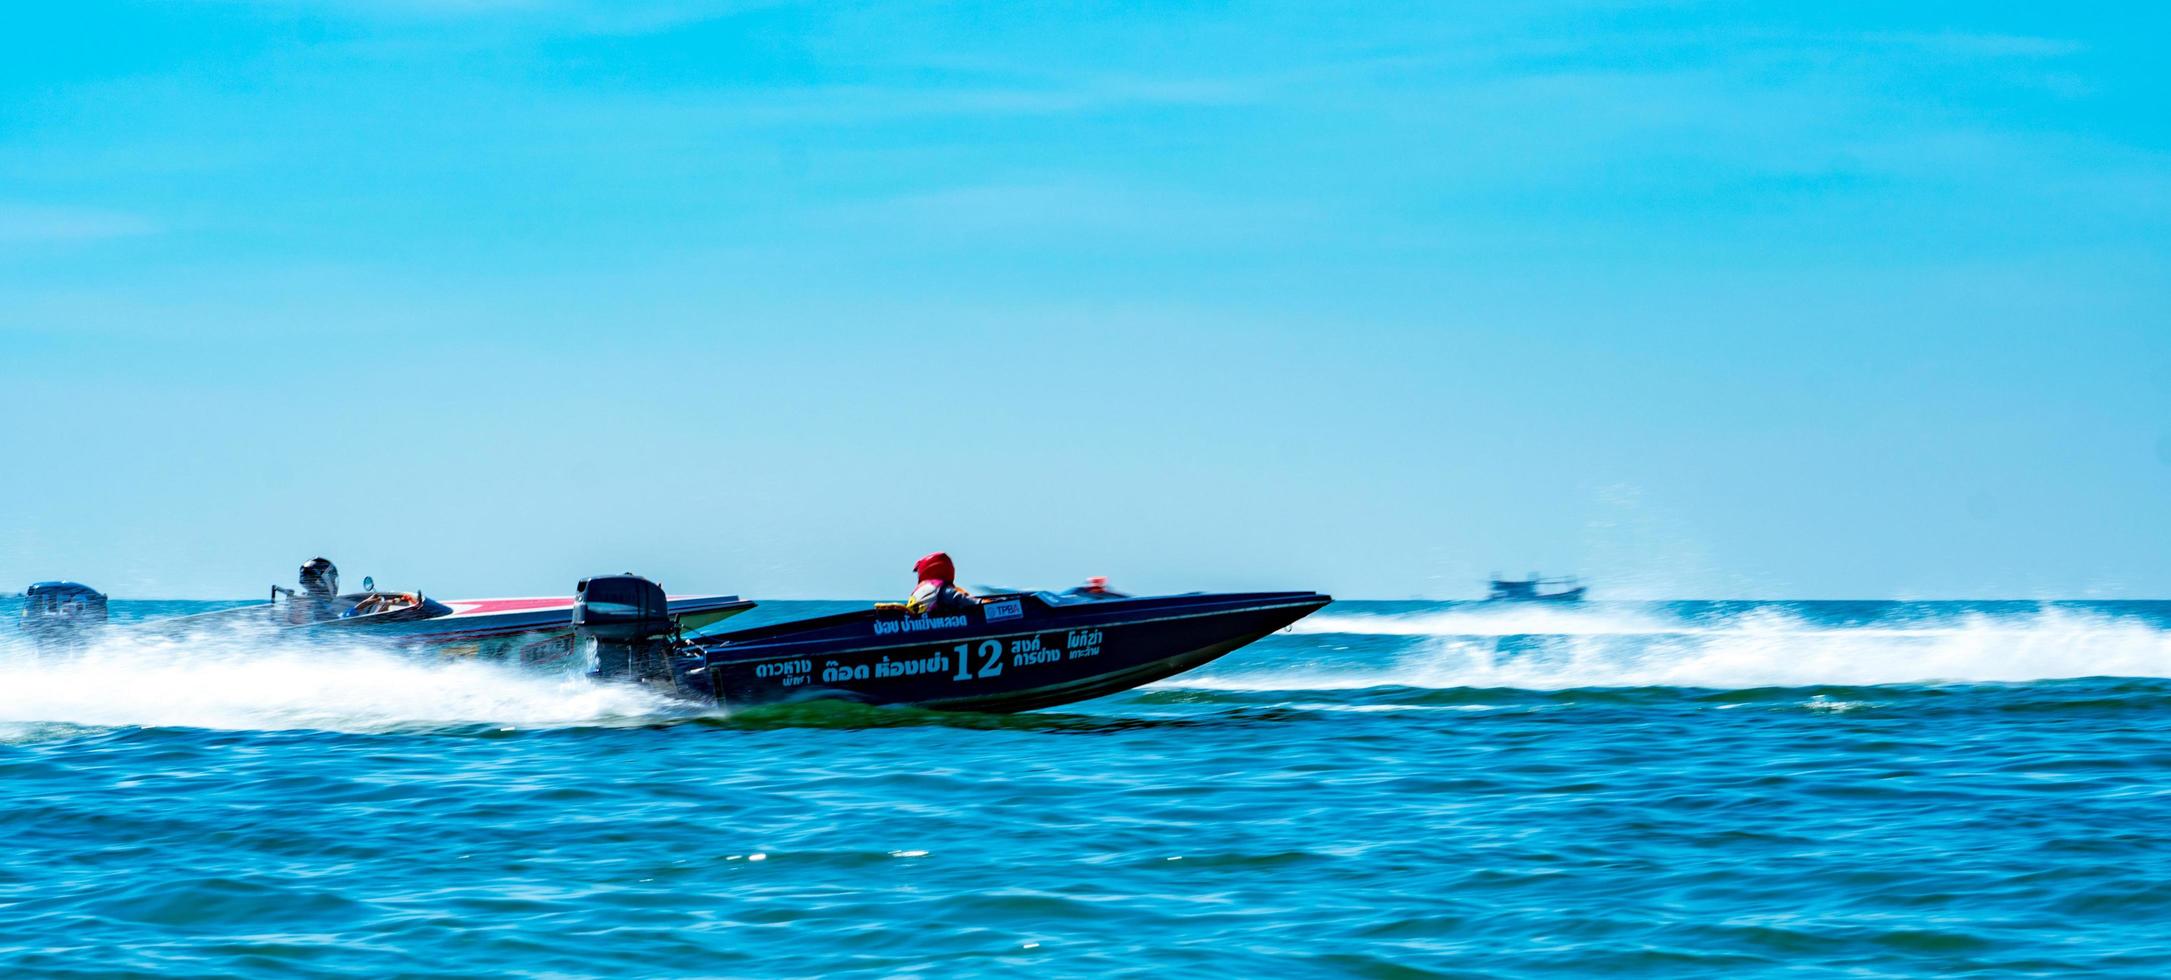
(1013, 652)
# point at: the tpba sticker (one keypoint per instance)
(1008, 609)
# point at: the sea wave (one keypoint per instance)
(238, 679)
(1563, 648)
(241, 679)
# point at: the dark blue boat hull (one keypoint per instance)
(1013, 654)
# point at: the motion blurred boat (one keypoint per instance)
(536, 631)
(1012, 652)
(1535, 589)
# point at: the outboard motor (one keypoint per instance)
(62, 611)
(320, 578)
(629, 621)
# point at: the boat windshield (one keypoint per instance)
(414, 604)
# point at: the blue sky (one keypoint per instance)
(1697, 299)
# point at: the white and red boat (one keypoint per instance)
(536, 630)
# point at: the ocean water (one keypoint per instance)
(1389, 789)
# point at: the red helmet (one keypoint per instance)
(935, 568)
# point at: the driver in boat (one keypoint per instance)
(937, 592)
(320, 585)
(382, 602)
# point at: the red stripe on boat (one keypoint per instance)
(484, 607)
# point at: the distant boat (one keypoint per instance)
(1535, 589)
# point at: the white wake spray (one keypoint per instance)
(247, 679)
(1564, 647)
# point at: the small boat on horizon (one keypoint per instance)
(1537, 589)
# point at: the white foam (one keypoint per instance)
(1495, 620)
(1554, 650)
(250, 680)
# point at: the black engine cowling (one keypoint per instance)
(629, 621)
(62, 611)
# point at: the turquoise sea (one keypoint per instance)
(1391, 789)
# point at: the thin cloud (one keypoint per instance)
(1981, 45)
(559, 16)
(864, 104)
(1075, 210)
(45, 224)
